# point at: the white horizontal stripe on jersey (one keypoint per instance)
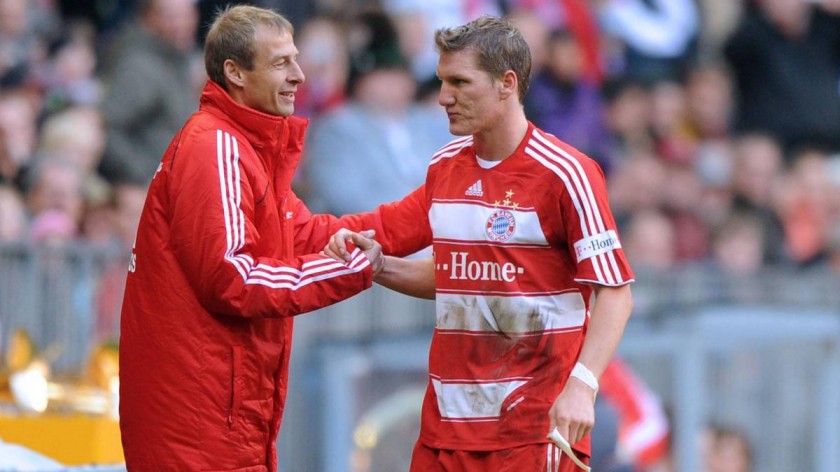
(227, 158)
(468, 222)
(510, 315)
(451, 149)
(474, 401)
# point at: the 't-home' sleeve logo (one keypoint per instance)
(596, 244)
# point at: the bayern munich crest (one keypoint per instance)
(500, 226)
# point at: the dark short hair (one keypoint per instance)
(499, 45)
(233, 36)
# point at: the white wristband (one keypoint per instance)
(586, 376)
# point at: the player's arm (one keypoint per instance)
(592, 238)
(218, 244)
(401, 227)
(412, 277)
(573, 412)
(610, 312)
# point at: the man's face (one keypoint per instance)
(469, 95)
(270, 87)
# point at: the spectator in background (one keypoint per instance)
(575, 16)
(76, 135)
(375, 148)
(18, 132)
(710, 100)
(628, 111)
(13, 221)
(655, 37)
(670, 123)
(417, 20)
(637, 184)
(735, 261)
(709, 103)
(536, 32)
(738, 246)
(785, 57)
(726, 449)
(324, 61)
(150, 88)
(67, 76)
(805, 206)
(564, 102)
(755, 182)
(55, 185)
(23, 32)
(649, 241)
(683, 196)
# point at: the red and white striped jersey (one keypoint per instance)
(515, 247)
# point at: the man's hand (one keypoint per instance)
(573, 412)
(337, 247)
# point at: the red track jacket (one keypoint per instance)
(225, 255)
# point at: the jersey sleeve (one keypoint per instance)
(223, 255)
(590, 229)
(402, 227)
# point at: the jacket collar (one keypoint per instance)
(268, 134)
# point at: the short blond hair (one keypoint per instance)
(500, 47)
(233, 36)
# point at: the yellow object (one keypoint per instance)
(68, 439)
(20, 352)
(104, 365)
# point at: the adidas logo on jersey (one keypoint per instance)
(475, 190)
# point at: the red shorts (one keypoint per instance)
(530, 458)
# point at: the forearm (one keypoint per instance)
(413, 277)
(610, 313)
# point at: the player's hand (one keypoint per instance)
(573, 412)
(337, 246)
(372, 249)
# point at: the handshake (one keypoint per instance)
(338, 249)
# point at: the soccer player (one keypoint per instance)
(523, 237)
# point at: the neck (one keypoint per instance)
(499, 141)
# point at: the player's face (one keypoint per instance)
(469, 95)
(270, 87)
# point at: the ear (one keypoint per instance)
(508, 85)
(233, 73)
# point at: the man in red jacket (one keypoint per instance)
(225, 256)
